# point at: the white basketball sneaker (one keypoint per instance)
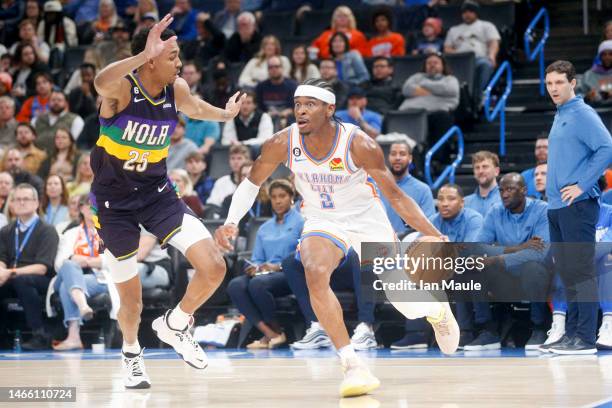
(181, 340)
(134, 373)
(363, 338)
(315, 338)
(446, 329)
(358, 380)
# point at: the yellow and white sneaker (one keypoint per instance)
(358, 380)
(446, 328)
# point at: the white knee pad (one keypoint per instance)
(192, 231)
(120, 271)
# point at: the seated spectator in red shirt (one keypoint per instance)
(343, 21)
(37, 104)
(385, 43)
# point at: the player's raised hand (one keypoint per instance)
(155, 45)
(224, 235)
(232, 107)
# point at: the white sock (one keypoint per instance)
(315, 326)
(178, 319)
(559, 318)
(607, 318)
(131, 348)
(347, 353)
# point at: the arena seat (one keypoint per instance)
(282, 25)
(606, 117)
(412, 123)
(281, 172)
(208, 6)
(235, 69)
(332, 4)
(462, 66)
(406, 66)
(314, 23)
(218, 163)
(290, 43)
(73, 58)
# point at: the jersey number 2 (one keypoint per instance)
(136, 161)
(326, 201)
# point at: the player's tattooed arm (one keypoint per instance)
(368, 155)
(196, 108)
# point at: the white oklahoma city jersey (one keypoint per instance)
(340, 202)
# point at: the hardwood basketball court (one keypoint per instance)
(283, 378)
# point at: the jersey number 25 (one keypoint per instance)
(136, 161)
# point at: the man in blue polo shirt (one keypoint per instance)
(358, 114)
(519, 229)
(541, 155)
(579, 150)
(459, 224)
(400, 158)
(486, 169)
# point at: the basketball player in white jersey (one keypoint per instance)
(332, 163)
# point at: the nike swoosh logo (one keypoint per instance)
(299, 160)
(160, 189)
(136, 100)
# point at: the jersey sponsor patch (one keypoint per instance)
(336, 164)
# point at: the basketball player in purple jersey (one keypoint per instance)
(141, 98)
(335, 165)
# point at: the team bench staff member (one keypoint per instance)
(579, 150)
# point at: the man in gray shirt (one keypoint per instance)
(480, 37)
(433, 90)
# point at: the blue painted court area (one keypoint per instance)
(236, 354)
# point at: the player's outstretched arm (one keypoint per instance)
(110, 80)
(368, 155)
(196, 108)
(273, 153)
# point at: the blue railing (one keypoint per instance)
(539, 48)
(449, 171)
(500, 106)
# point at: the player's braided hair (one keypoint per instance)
(327, 86)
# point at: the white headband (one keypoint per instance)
(316, 92)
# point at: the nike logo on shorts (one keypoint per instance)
(160, 189)
(136, 100)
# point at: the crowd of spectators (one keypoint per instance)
(48, 123)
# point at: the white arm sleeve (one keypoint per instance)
(242, 201)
